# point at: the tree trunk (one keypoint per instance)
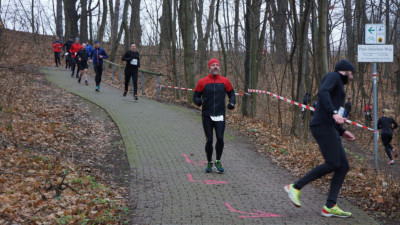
(172, 38)
(135, 27)
(71, 18)
(236, 27)
(323, 37)
(90, 21)
(100, 34)
(202, 39)
(164, 24)
(84, 18)
(221, 40)
(114, 28)
(253, 44)
(59, 18)
(279, 25)
(186, 23)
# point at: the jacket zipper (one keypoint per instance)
(214, 96)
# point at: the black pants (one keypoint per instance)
(98, 69)
(57, 58)
(208, 126)
(134, 75)
(73, 63)
(386, 139)
(335, 161)
(67, 61)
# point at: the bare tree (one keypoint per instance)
(114, 28)
(254, 41)
(202, 38)
(59, 18)
(323, 37)
(134, 26)
(100, 34)
(71, 18)
(221, 40)
(165, 23)
(186, 24)
(84, 22)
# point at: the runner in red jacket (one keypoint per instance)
(57, 46)
(75, 47)
(210, 94)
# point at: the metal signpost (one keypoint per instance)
(375, 51)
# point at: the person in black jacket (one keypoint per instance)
(387, 124)
(83, 57)
(326, 127)
(210, 93)
(66, 48)
(132, 59)
(347, 107)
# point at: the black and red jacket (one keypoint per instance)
(210, 93)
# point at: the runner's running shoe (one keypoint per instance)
(97, 88)
(391, 162)
(334, 211)
(135, 98)
(219, 167)
(125, 92)
(79, 80)
(293, 194)
(86, 82)
(395, 153)
(209, 167)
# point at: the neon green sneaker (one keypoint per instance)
(209, 167)
(219, 167)
(334, 211)
(293, 194)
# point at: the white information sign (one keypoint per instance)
(375, 34)
(375, 53)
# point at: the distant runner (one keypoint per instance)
(57, 46)
(98, 54)
(67, 47)
(132, 59)
(210, 93)
(83, 57)
(387, 124)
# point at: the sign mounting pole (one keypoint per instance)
(375, 50)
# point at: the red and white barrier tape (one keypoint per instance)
(189, 89)
(305, 106)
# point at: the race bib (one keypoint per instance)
(134, 62)
(217, 118)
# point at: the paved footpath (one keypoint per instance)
(165, 148)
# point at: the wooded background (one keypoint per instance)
(283, 46)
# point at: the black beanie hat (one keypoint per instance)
(344, 65)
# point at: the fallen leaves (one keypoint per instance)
(46, 139)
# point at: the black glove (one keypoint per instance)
(231, 106)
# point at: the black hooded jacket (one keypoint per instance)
(387, 124)
(331, 97)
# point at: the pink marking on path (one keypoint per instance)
(205, 181)
(252, 215)
(187, 158)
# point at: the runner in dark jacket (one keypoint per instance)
(387, 124)
(83, 57)
(132, 59)
(326, 128)
(66, 48)
(98, 54)
(210, 93)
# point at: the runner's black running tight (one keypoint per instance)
(333, 152)
(219, 127)
(386, 139)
